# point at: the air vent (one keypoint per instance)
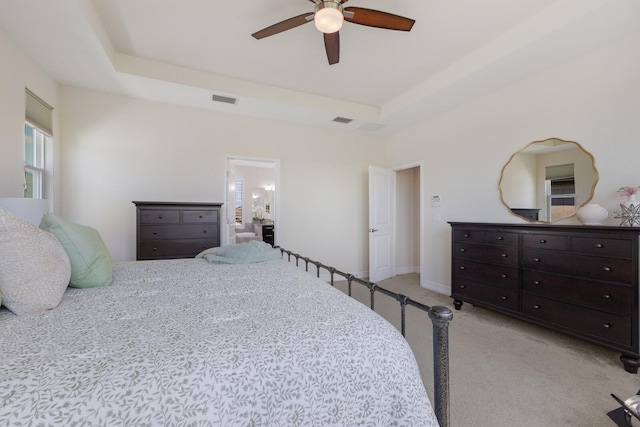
(225, 99)
(342, 120)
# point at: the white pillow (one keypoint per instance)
(34, 267)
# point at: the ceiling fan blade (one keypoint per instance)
(332, 46)
(375, 18)
(285, 25)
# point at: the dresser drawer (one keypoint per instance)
(495, 237)
(619, 248)
(506, 299)
(598, 268)
(198, 216)
(162, 232)
(545, 241)
(152, 216)
(495, 275)
(174, 248)
(503, 255)
(580, 320)
(470, 236)
(610, 298)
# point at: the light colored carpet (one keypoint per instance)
(506, 372)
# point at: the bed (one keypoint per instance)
(187, 342)
(237, 336)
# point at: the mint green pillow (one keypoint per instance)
(90, 259)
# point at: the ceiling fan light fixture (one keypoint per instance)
(328, 17)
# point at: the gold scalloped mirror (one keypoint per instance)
(548, 180)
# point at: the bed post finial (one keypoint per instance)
(441, 317)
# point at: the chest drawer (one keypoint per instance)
(545, 241)
(580, 320)
(610, 298)
(610, 269)
(152, 216)
(494, 275)
(198, 216)
(619, 248)
(163, 232)
(504, 255)
(174, 248)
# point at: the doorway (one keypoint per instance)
(251, 186)
(395, 221)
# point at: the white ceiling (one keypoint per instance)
(185, 51)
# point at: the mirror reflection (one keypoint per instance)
(548, 180)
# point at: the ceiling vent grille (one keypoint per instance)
(342, 120)
(224, 99)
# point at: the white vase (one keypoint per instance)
(592, 214)
(631, 200)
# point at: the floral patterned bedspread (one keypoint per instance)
(185, 342)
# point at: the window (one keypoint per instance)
(560, 188)
(34, 165)
(239, 200)
(37, 142)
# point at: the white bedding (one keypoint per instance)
(185, 342)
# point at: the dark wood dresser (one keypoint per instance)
(176, 230)
(580, 280)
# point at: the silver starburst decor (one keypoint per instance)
(630, 215)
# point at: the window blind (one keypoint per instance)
(38, 112)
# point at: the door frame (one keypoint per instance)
(228, 160)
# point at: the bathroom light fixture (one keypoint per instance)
(328, 16)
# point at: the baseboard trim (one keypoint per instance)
(436, 287)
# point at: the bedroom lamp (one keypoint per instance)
(31, 210)
(328, 17)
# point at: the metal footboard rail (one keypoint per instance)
(440, 318)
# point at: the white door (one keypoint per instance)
(382, 183)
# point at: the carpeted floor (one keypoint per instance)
(506, 372)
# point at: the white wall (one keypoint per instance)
(17, 72)
(118, 149)
(592, 99)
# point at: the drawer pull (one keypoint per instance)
(536, 306)
(504, 298)
(599, 245)
(159, 216)
(543, 241)
(536, 282)
(466, 236)
(463, 250)
(607, 325)
(200, 216)
(500, 238)
(155, 233)
(204, 231)
(462, 267)
(504, 276)
(463, 286)
(536, 259)
(606, 296)
(607, 268)
(155, 249)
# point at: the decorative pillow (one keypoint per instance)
(34, 268)
(90, 260)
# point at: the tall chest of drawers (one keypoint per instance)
(176, 230)
(580, 280)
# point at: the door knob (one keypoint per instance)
(373, 230)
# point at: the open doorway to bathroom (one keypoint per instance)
(252, 203)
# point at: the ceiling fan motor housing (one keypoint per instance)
(328, 16)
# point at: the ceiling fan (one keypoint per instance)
(329, 15)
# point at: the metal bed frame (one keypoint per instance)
(440, 318)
